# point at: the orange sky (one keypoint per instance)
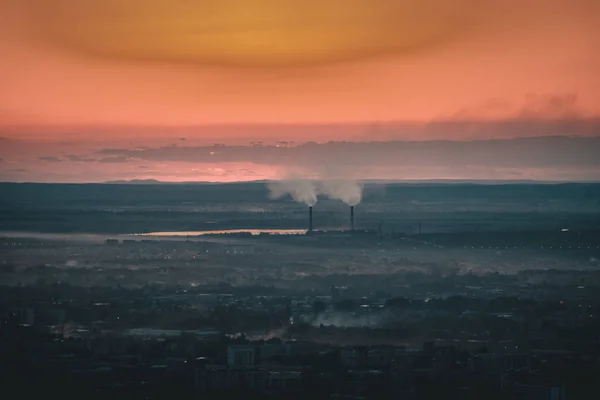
(129, 71)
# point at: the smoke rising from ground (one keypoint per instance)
(307, 192)
(347, 320)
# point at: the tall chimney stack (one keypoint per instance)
(352, 218)
(310, 221)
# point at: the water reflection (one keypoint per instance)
(254, 232)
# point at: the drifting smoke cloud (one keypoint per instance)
(350, 192)
(302, 191)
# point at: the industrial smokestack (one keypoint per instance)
(352, 218)
(310, 220)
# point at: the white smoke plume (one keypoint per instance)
(350, 192)
(307, 191)
(302, 191)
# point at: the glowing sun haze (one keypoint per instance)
(247, 32)
(125, 74)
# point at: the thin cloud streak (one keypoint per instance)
(543, 158)
(532, 152)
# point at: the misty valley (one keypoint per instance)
(329, 290)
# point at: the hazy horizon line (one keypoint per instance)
(365, 181)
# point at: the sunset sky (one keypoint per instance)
(93, 90)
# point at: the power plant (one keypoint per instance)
(352, 230)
